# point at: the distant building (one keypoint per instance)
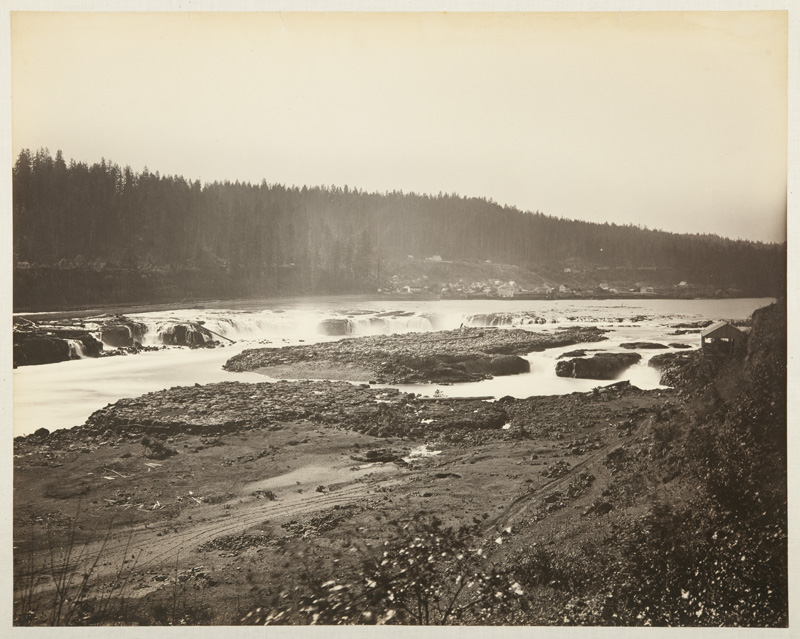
(646, 290)
(411, 289)
(507, 290)
(434, 258)
(722, 338)
(563, 289)
(683, 284)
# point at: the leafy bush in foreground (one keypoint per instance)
(430, 575)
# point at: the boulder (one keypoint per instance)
(603, 508)
(119, 331)
(157, 449)
(185, 335)
(116, 335)
(507, 365)
(664, 360)
(51, 345)
(92, 345)
(31, 350)
(377, 455)
(600, 366)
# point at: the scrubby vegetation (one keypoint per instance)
(428, 574)
(717, 557)
(617, 507)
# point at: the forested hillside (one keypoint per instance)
(101, 230)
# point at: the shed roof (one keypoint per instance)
(716, 326)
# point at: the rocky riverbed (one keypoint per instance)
(215, 409)
(231, 478)
(465, 355)
(212, 504)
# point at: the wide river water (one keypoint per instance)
(63, 395)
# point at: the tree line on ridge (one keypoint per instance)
(276, 239)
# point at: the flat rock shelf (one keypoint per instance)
(462, 355)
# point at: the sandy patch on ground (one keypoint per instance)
(318, 370)
(308, 478)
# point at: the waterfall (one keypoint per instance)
(377, 325)
(295, 324)
(522, 318)
(76, 349)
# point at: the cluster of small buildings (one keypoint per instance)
(490, 288)
(575, 283)
(506, 290)
(510, 289)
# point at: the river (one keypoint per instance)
(63, 395)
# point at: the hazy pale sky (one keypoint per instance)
(672, 120)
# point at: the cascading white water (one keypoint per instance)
(387, 325)
(74, 392)
(290, 325)
(506, 319)
(76, 349)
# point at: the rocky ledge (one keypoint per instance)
(227, 407)
(640, 345)
(688, 371)
(599, 366)
(464, 355)
(217, 410)
(48, 347)
(49, 342)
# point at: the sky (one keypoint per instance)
(670, 120)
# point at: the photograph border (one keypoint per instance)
(793, 179)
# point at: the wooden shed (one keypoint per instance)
(721, 337)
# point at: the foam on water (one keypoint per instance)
(76, 349)
(65, 394)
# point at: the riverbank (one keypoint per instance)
(218, 503)
(258, 303)
(200, 494)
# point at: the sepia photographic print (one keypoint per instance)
(433, 317)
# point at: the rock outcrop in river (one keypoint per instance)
(37, 346)
(599, 366)
(640, 345)
(54, 341)
(464, 355)
(122, 332)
